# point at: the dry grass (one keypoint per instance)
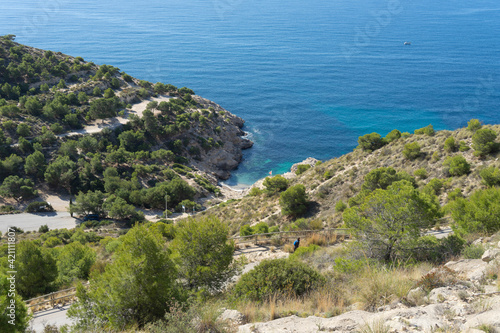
(368, 288)
(319, 303)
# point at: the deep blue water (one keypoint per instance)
(308, 77)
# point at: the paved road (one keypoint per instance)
(442, 233)
(31, 222)
(55, 316)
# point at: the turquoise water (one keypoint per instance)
(308, 77)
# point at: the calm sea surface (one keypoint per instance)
(308, 77)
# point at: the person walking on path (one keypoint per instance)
(296, 244)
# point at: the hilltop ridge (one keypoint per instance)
(71, 126)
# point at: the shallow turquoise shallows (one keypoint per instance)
(309, 77)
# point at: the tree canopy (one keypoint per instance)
(389, 221)
(204, 253)
(138, 286)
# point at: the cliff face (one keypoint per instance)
(227, 131)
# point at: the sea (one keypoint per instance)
(308, 77)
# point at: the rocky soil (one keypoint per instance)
(466, 300)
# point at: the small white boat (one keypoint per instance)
(407, 43)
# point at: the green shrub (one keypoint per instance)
(384, 177)
(393, 135)
(473, 251)
(43, 229)
(449, 145)
(246, 230)
(274, 228)
(300, 224)
(436, 156)
(112, 246)
(455, 194)
(39, 206)
(479, 213)
(427, 130)
(293, 201)
(52, 242)
(462, 146)
(340, 206)
(483, 142)
(434, 186)
(411, 151)
(473, 125)
(328, 174)
(255, 191)
(303, 251)
(347, 266)
(275, 184)
(490, 176)
(301, 168)
(277, 277)
(456, 165)
(8, 209)
(421, 173)
(261, 228)
(371, 142)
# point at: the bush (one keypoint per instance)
(293, 201)
(436, 156)
(289, 277)
(275, 184)
(490, 176)
(255, 191)
(301, 168)
(371, 142)
(261, 228)
(428, 130)
(473, 125)
(484, 142)
(411, 151)
(456, 165)
(384, 177)
(462, 146)
(433, 187)
(449, 145)
(473, 251)
(421, 173)
(52, 242)
(246, 230)
(304, 251)
(393, 135)
(204, 254)
(347, 266)
(479, 213)
(43, 229)
(340, 206)
(39, 206)
(299, 224)
(8, 209)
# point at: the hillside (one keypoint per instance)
(341, 179)
(70, 126)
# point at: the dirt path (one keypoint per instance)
(98, 125)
